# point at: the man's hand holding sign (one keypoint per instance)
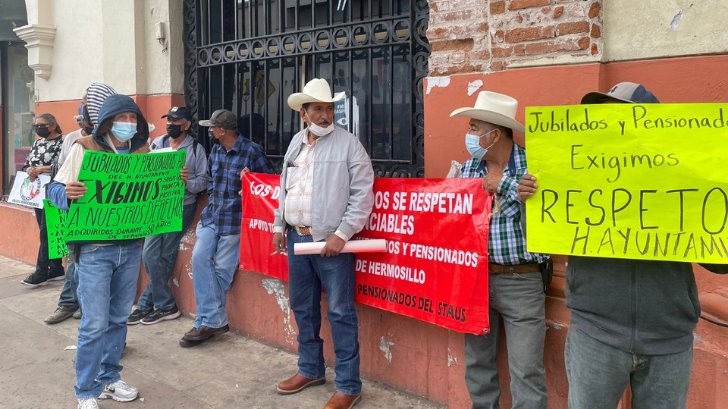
(75, 190)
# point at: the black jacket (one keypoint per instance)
(640, 306)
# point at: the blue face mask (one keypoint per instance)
(472, 143)
(124, 131)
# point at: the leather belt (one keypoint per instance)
(494, 268)
(303, 231)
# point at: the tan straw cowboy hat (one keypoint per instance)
(316, 90)
(495, 108)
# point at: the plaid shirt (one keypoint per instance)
(225, 209)
(507, 242)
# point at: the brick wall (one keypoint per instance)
(492, 35)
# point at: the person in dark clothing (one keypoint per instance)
(632, 321)
(44, 152)
(157, 303)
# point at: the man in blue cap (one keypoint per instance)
(157, 302)
(632, 321)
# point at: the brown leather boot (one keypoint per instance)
(297, 383)
(342, 401)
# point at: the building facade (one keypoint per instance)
(405, 65)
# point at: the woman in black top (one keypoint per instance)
(44, 152)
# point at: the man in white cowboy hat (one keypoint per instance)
(327, 197)
(515, 286)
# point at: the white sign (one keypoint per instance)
(28, 193)
(341, 114)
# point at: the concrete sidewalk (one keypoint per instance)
(36, 371)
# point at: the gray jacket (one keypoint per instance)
(343, 177)
(641, 306)
(198, 173)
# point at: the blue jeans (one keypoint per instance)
(307, 275)
(68, 298)
(518, 299)
(215, 260)
(159, 256)
(598, 375)
(107, 278)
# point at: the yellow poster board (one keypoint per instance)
(631, 181)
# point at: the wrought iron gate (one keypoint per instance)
(249, 55)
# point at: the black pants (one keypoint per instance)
(43, 265)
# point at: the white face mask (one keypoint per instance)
(321, 131)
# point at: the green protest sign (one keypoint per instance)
(129, 197)
(55, 219)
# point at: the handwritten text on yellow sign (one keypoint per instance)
(629, 181)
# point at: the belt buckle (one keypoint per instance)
(303, 231)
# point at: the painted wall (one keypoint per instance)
(659, 28)
(112, 41)
(76, 50)
(175, 49)
(488, 36)
(161, 63)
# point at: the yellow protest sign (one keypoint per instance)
(629, 181)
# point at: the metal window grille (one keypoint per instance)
(248, 56)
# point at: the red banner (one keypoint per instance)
(260, 198)
(435, 268)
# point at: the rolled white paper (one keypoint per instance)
(353, 246)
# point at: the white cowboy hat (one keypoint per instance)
(316, 90)
(495, 108)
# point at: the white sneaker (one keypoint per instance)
(88, 403)
(119, 391)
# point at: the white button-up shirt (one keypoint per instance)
(299, 187)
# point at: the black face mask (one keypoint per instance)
(43, 132)
(89, 130)
(174, 131)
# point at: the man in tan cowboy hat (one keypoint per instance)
(515, 286)
(327, 197)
